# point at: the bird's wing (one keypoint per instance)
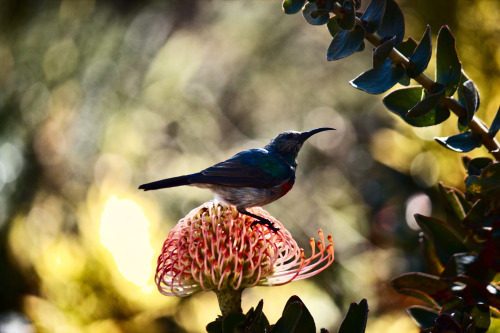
(252, 168)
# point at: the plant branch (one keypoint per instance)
(476, 125)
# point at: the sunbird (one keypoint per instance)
(251, 178)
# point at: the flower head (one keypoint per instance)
(215, 248)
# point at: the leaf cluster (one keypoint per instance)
(396, 61)
(462, 254)
(296, 318)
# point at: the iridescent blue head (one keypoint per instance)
(288, 143)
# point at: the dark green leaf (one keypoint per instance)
(487, 184)
(233, 322)
(420, 58)
(425, 317)
(402, 100)
(446, 324)
(293, 6)
(382, 51)
(372, 18)
(355, 319)
(448, 66)
(428, 103)
(348, 21)
(456, 200)
(380, 79)
(313, 15)
(446, 241)
(333, 26)
(393, 23)
(290, 319)
(428, 288)
(257, 321)
(477, 217)
(214, 327)
(471, 100)
(453, 304)
(458, 265)
(462, 142)
(306, 321)
(361, 48)
(495, 125)
(476, 165)
(481, 315)
(432, 263)
(345, 43)
(407, 47)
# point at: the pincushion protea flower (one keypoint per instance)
(215, 248)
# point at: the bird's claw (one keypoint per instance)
(265, 222)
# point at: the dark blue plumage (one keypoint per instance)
(251, 178)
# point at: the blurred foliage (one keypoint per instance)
(98, 97)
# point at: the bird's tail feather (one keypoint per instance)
(165, 183)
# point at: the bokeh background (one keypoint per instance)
(98, 97)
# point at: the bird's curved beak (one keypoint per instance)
(306, 135)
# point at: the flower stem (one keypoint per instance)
(229, 300)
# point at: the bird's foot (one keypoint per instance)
(265, 222)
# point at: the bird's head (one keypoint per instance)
(288, 143)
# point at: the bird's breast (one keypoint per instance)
(286, 188)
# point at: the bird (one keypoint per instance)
(251, 178)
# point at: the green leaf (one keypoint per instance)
(313, 15)
(355, 319)
(487, 184)
(481, 314)
(477, 218)
(446, 324)
(428, 103)
(306, 321)
(293, 6)
(407, 48)
(290, 318)
(256, 320)
(233, 322)
(462, 142)
(471, 100)
(380, 79)
(428, 288)
(448, 66)
(459, 265)
(214, 327)
(345, 43)
(381, 52)
(456, 200)
(424, 316)
(495, 125)
(373, 16)
(432, 263)
(420, 58)
(402, 100)
(348, 21)
(333, 26)
(393, 22)
(475, 166)
(446, 241)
